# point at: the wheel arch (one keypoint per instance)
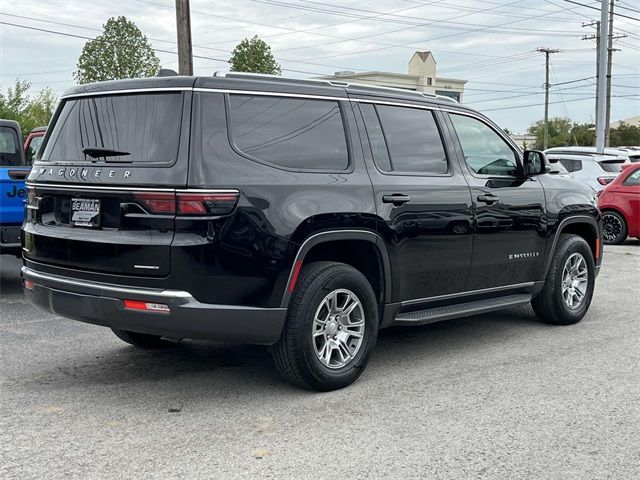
(584, 226)
(322, 246)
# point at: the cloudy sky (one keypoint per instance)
(490, 43)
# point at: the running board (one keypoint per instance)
(420, 317)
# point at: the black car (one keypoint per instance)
(304, 215)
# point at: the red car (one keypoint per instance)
(619, 203)
(33, 142)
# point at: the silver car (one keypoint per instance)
(628, 154)
(594, 170)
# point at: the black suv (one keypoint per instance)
(304, 215)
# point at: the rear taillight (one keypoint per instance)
(206, 203)
(604, 180)
(146, 306)
(160, 203)
(189, 203)
(28, 284)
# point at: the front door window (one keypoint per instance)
(485, 152)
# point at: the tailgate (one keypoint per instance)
(90, 209)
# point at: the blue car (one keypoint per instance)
(13, 193)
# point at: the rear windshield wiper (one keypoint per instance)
(100, 152)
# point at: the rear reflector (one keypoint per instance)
(597, 248)
(294, 276)
(149, 307)
(28, 284)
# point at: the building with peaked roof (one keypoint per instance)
(421, 77)
(633, 121)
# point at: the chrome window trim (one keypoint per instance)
(270, 94)
(396, 104)
(104, 286)
(128, 90)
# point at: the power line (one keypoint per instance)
(596, 8)
(635, 97)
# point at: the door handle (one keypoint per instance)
(397, 199)
(488, 198)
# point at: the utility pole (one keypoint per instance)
(600, 95)
(547, 52)
(610, 51)
(595, 37)
(185, 52)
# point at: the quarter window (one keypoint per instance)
(485, 152)
(412, 138)
(571, 165)
(292, 133)
(376, 137)
(633, 179)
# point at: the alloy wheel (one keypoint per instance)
(338, 328)
(575, 281)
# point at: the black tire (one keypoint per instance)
(142, 340)
(550, 305)
(615, 228)
(295, 353)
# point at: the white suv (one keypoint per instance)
(594, 170)
(628, 154)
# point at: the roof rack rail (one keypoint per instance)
(396, 89)
(336, 83)
(279, 78)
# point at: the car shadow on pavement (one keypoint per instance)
(10, 282)
(202, 369)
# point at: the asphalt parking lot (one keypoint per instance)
(494, 396)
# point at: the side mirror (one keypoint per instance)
(535, 163)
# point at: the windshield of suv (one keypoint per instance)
(33, 148)
(144, 126)
(10, 154)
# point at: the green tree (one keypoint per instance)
(624, 135)
(253, 56)
(583, 134)
(121, 51)
(559, 132)
(16, 104)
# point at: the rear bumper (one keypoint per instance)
(102, 304)
(10, 239)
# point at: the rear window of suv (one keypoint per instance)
(147, 126)
(611, 166)
(293, 133)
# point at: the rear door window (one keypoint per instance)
(293, 133)
(10, 148)
(413, 140)
(145, 126)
